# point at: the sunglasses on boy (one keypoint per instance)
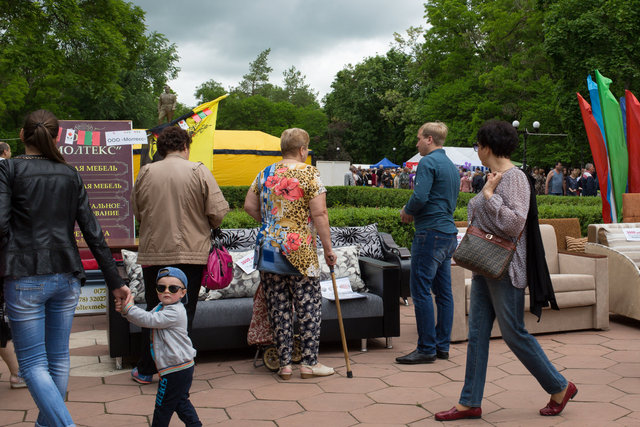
(172, 288)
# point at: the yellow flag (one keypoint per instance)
(202, 125)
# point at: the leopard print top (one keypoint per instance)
(285, 191)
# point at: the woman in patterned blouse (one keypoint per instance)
(289, 200)
(501, 208)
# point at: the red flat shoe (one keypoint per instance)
(453, 414)
(554, 408)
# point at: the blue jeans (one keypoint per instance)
(491, 299)
(40, 310)
(431, 272)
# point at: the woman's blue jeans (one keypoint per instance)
(491, 299)
(40, 310)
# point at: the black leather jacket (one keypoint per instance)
(40, 201)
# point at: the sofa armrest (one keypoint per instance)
(596, 265)
(624, 281)
(578, 263)
(459, 328)
(382, 278)
(117, 326)
(401, 257)
(117, 331)
(389, 246)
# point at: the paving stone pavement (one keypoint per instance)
(227, 389)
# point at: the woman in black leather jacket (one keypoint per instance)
(41, 198)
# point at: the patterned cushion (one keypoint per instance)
(242, 285)
(576, 244)
(239, 239)
(346, 266)
(134, 272)
(366, 237)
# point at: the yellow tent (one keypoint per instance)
(238, 155)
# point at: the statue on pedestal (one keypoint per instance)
(166, 105)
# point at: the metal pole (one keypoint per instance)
(524, 151)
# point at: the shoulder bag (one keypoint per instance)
(485, 253)
(219, 270)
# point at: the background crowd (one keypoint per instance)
(572, 181)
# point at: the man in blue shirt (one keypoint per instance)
(431, 207)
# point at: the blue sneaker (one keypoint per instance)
(140, 378)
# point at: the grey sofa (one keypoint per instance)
(224, 323)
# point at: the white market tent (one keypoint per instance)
(460, 156)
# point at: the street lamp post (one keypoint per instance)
(526, 133)
(337, 153)
(394, 154)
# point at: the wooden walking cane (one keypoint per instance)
(342, 335)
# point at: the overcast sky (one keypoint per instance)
(218, 39)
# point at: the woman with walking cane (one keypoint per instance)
(289, 200)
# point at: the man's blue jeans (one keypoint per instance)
(491, 299)
(40, 310)
(431, 272)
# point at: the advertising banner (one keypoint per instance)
(106, 170)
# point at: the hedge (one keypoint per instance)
(355, 206)
(341, 196)
(388, 219)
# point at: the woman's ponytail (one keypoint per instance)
(40, 131)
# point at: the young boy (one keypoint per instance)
(171, 348)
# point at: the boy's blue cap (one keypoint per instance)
(173, 272)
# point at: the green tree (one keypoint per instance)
(297, 90)
(258, 75)
(362, 97)
(80, 59)
(208, 91)
(259, 113)
(582, 36)
(483, 60)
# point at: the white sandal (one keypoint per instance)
(317, 370)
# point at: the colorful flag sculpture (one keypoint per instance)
(201, 124)
(633, 141)
(606, 191)
(600, 158)
(615, 140)
(595, 105)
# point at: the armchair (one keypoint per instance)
(581, 285)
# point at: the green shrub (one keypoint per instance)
(588, 214)
(238, 218)
(367, 197)
(569, 200)
(356, 206)
(388, 220)
(341, 196)
(234, 195)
